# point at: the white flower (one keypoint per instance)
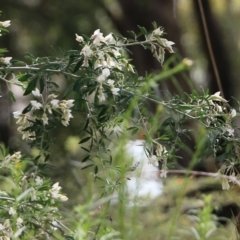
(69, 103)
(1, 227)
(225, 184)
(104, 75)
(17, 114)
(5, 24)
(168, 45)
(153, 160)
(161, 150)
(39, 181)
(110, 82)
(12, 211)
(67, 114)
(100, 78)
(19, 222)
(157, 32)
(216, 97)
(55, 192)
(55, 103)
(62, 197)
(98, 37)
(163, 173)
(105, 72)
(36, 93)
(109, 38)
(35, 105)
(233, 113)
(101, 96)
(115, 91)
(33, 194)
(45, 119)
(86, 51)
(230, 131)
(79, 38)
(5, 60)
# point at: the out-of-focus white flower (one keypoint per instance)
(5, 24)
(233, 113)
(110, 82)
(19, 222)
(36, 93)
(101, 96)
(39, 181)
(163, 173)
(101, 78)
(115, 90)
(105, 72)
(6, 60)
(1, 227)
(225, 184)
(45, 119)
(161, 150)
(79, 38)
(153, 160)
(55, 192)
(12, 211)
(230, 131)
(35, 105)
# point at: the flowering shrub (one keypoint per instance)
(106, 89)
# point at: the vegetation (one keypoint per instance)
(98, 90)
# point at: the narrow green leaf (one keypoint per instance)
(88, 166)
(42, 84)
(96, 170)
(27, 109)
(85, 158)
(78, 65)
(31, 86)
(84, 140)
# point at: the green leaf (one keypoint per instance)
(11, 95)
(85, 158)
(31, 86)
(96, 170)
(2, 150)
(27, 109)
(84, 140)
(42, 84)
(24, 77)
(88, 166)
(78, 65)
(87, 150)
(68, 91)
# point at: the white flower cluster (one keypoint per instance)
(55, 192)
(47, 106)
(9, 159)
(103, 79)
(108, 56)
(161, 155)
(5, 60)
